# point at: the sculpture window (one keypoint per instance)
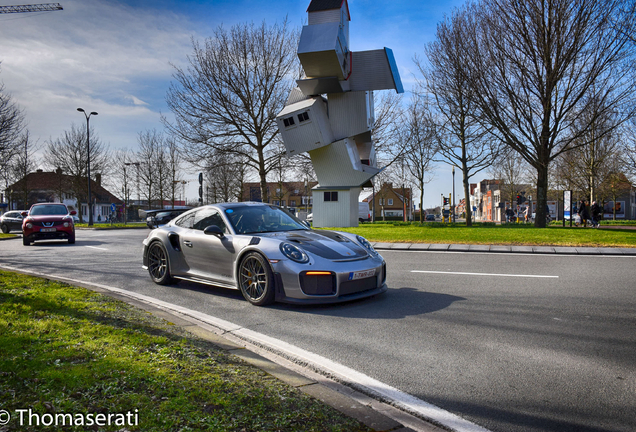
(331, 196)
(303, 117)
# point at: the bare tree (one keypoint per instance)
(69, 153)
(420, 145)
(11, 126)
(228, 97)
(174, 167)
(11, 122)
(24, 163)
(150, 160)
(224, 174)
(628, 149)
(464, 141)
(535, 63)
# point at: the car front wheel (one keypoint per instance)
(158, 265)
(5, 228)
(25, 241)
(256, 280)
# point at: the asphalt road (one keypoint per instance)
(511, 342)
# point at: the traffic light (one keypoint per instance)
(445, 201)
(518, 199)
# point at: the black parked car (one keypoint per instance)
(157, 218)
(11, 221)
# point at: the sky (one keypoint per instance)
(117, 57)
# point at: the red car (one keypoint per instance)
(48, 221)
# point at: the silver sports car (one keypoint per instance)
(266, 253)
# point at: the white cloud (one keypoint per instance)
(104, 56)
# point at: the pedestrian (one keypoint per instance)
(584, 212)
(526, 214)
(595, 211)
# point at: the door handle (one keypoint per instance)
(187, 243)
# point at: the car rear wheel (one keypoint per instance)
(158, 265)
(5, 228)
(256, 280)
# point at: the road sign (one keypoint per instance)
(113, 208)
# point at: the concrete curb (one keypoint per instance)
(546, 250)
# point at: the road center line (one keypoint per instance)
(95, 247)
(484, 274)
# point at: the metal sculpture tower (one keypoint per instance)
(330, 114)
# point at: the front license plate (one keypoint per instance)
(361, 274)
(48, 229)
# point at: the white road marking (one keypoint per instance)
(95, 247)
(358, 380)
(484, 274)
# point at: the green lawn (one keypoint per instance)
(67, 350)
(511, 234)
(103, 225)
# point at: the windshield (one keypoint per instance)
(262, 219)
(52, 209)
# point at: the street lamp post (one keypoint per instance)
(88, 170)
(453, 193)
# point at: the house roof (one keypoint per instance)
(50, 181)
(322, 5)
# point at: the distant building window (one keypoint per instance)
(303, 117)
(390, 200)
(289, 121)
(276, 202)
(282, 203)
(331, 196)
(381, 201)
(292, 203)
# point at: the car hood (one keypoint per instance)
(48, 218)
(326, 244)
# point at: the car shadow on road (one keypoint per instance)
(393, 304)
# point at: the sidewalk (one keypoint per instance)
(559, 250)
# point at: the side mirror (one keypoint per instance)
(73, 213)
(308, 224)
(214, 230)
(24, 214)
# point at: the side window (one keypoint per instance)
(186, 221)
(206, 217)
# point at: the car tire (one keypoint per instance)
(25, 241)
(71, 240)
(256, 280)
(159, 264)
(5, 229)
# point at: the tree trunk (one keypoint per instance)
(542, 196)
(469, 210)
(422, 200)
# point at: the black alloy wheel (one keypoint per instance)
(158, 265)
(256, 280)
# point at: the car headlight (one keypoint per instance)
(29, 225)
(294, 253)
(66, 224)
(364, 242)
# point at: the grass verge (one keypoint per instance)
(113, 226)
(508, 234)
(67, 350)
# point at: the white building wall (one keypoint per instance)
(349, 113)
(309, 134)
(341, 213)
(339, 165)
